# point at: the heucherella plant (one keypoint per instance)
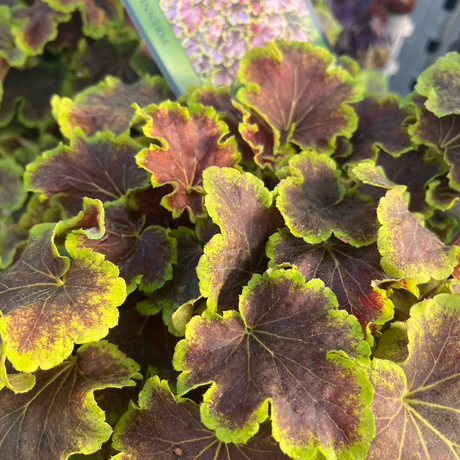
(262, 272)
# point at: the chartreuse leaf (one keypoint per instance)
(107, 106)
(416, 403)
(44, 296)
(281, 348)
(98, 17)
(440, 84)
(440, 195)
(371, 174)
(381, 126)
(165, 428)
(183, 288)
(297, 89)
(408, 249)
(144, 256)
(244, 210)
(393, 343)
(191, 140)
(59, 416)
(12, 191)
(349, 272)
(36, 25)
(8, 49)
(17, 382)
(101, 167)
(314, 204)
(443, 135)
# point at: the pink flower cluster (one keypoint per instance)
(216, 34)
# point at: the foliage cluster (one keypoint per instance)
(264, 272)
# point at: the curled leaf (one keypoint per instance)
(244, 210)
(144, 256)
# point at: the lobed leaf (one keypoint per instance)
(349, 272)
(35, 26)
(244, 210)
(144, 256)
(408, 249)
(443, 135)
(279, 348)
(98, 17)
(165, 428)
(381, 126)
(295, 88)
(440, 84)
(44, 296)
(191, 140)
(416, 404)
(28, 92)
(59, 416)
(314, 203)
(8, 49)
(183, 288)
(107, 105)
(101, 167)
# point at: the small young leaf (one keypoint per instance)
(191, 140)
(440, 195)
(107, 105)
(163, 428)
(381, 126)
(440, 84)
(349, 272)
(314, 205)
(101, 167)
(416, 403)
(280, 348)
(59, 416)
(144, 256)
(295, 88)
(44, 296)
(408, 249)
(244, 210)
(38, 25)
(393, 343)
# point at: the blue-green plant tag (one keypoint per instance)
(202, 42)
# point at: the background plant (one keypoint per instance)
(301, 232)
